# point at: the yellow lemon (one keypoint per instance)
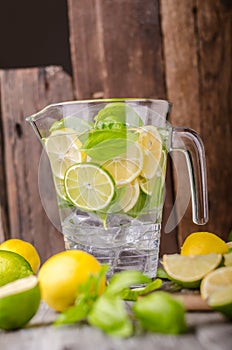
(61, 276)
(203, 243)
(25, 249)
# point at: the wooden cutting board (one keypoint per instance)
(192, 302)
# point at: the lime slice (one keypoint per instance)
(19, 301)
(228, 259)
(151, 143)
(221, 301)
(12, 267)
(59, 187)
(215, 281)
(88, 186)
(126, 167)
(63, 149)
(130, 196)
(188, 271)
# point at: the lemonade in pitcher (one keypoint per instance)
(108, 162)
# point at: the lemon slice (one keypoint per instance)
(228, 259)
(190, 270)
(148, 185)
(88, 186)
(151, 143)
(63, 149)
(215, 281)
(126, 167)
(130, 196)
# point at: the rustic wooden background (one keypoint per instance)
(170, 49)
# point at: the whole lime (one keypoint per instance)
(26, 249)
(13, 267)
(19, 301)
(160, 312)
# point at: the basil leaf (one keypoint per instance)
(124, 279)
(110, 315)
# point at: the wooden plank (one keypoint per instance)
(23, 92)
(206, 330)
(116, 48)
(116, 51)
(197, 53)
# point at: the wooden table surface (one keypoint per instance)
(207, 330)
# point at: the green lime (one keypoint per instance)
(188, 271)
(13, 267)
(221, 301)
(160, 312)
(19, 301)
(88, 186)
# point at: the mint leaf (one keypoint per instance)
(110, 315)
(133, 294)
(118, 112)
(107, 149)
(72, 122)
(125, 279)
(88, 293)
(106, 144)
(74, 314)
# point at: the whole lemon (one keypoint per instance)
(62, 274)
(203, 243)
(25, 249)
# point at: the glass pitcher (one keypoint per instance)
(108, 162)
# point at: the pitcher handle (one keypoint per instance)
(189, 142)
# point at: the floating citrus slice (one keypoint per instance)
(63, 149)
(88, 186)
(130, 196)
(126, 167)
(148, 185)
(190, 270)
(151, 143)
